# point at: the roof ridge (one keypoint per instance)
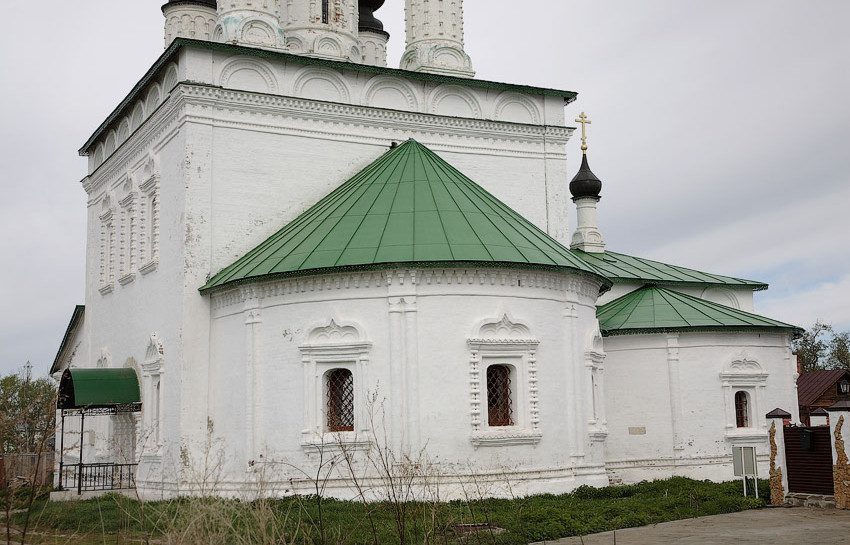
(393, 226)
(665, 293)
(689, 269)
(729, 318)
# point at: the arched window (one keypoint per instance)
(340, 387)
(499, 404)
(742, 410)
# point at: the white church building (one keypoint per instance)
(296, 253)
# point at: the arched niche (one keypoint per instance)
(248, 75)
(390, 93)
(321, 84)
(516, 108)
(454, 101)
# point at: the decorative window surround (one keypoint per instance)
(334, 347)
(107, 246)
(127, 244)
(744, 374)
(149, 219)
(152, 384)
(504, 342)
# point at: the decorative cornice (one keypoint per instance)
(505, 438)
(354, 280)
(333, 114)
(172, 53)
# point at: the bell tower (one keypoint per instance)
(434, 31)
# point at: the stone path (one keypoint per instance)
(773, 526)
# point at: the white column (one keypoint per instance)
(412, 375)
(397, 364)
(252, 323)
(575, 421)
(434, 30)
(674, 390)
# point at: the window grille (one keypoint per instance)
(499, 406)
(742, 411)
(340, 400)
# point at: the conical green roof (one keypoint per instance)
(652, 309)
(408, 207)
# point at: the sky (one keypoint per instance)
(720, 130)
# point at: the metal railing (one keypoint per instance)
(103, 476)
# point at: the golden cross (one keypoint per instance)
(584, 123)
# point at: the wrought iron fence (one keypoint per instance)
(104, 476)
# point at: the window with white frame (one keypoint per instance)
(503, 384)
(335, 362)
(744, 382)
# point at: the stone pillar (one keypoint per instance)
(839, 429)
(434, 30)
(778, 477)
(819, 417)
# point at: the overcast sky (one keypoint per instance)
(721, 131)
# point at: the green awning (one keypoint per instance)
(94, 388)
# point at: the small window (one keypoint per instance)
(325, 11)
(340, 400)
(499, 404)
(742, 410)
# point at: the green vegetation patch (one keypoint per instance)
(313, 520)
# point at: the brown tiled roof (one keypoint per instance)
(813, 384)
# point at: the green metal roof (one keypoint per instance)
(76, 317)
(88, 388)
(179, 43)
(408, 207)
(625, 268)
(653, 309)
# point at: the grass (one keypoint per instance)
(117, 519)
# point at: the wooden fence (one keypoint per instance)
(20, 469)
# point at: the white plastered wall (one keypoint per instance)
(670, 408)
(421, 331)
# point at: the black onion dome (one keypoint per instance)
(208, 3)
(585, 183)
(368, 21)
